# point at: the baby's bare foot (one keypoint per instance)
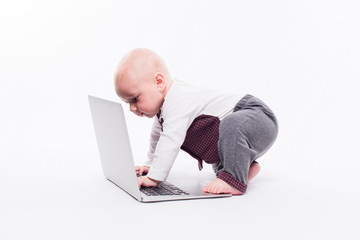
(218, 186)
(253, 171)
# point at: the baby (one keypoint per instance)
(229, 131)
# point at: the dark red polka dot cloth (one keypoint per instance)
(201, 140)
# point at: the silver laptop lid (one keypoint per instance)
(113, 141)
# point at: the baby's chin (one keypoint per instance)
(142, 114)
(148, 115)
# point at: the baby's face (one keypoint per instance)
(144, 96)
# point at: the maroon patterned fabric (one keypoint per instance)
(228, 178)
(202, 138)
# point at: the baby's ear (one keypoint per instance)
(160, 80)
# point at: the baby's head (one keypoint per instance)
(142, 80)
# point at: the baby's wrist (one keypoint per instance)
(154, 180)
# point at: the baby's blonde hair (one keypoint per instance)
(140, 64)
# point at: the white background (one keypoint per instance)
(301, 57)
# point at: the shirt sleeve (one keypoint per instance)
(154, 137)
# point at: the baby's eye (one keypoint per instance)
(135, 99)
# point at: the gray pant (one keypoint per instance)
(244, 135)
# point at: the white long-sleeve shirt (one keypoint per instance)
(183, 103)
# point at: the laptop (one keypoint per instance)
(118, 163)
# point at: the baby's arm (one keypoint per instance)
(154, 138)
(143, 170)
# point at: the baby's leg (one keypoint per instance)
(218, 186)
(244, 135)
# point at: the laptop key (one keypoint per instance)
(163, 189)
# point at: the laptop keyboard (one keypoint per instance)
(163, 189)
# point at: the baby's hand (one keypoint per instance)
(147, 182)
(142, 170)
